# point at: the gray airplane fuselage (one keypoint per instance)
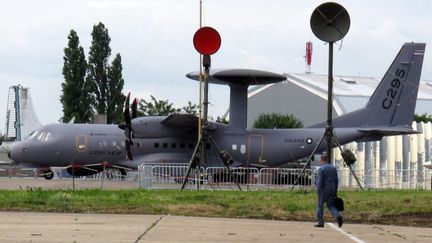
(94, 143)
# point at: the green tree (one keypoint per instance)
(155, 107)
(275, 120)
(423, 118)
(106, 81)
(115, 104)
(75, 96)
(190, 108)
(222, 119)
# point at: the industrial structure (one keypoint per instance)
(21, 118)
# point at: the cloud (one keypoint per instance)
(155, 41)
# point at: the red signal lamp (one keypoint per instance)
(207, 41)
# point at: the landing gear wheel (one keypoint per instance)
(49, 174)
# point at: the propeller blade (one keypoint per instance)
(127, 127)
(128, 150)
(135, 108)
(126, 112)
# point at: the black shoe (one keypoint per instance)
(319, 225)
(339, 221)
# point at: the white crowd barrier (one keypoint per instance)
(171, 176)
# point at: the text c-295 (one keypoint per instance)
(393, 89)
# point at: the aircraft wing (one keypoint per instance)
(184, 120)
(180, 120)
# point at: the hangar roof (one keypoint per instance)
(351, 93)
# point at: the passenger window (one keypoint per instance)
(234, 147)
(114, 143)
(173, 145)
(165, 145)
(191, 146)
(156, 145)
(182, 145)
(243, 149)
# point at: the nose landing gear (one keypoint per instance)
(48, 174)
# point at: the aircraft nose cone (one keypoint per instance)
(13, 153)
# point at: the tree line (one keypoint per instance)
(94, 86)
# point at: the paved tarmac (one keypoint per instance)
(55, 227)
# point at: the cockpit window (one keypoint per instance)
(47, 137)
(32, 135)
(42, 136)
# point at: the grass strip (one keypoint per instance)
(396, 207)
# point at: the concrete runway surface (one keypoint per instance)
(55, 227)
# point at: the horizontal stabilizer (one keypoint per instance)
(427, 164)
(388, 131)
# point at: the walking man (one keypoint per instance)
(327, 186)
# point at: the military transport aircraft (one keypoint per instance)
(86, 148)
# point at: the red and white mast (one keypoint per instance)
(308, 57)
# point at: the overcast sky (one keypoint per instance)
(155, 40)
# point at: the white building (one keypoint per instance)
(305, 96)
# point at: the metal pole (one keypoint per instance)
(329, 127)
(200, 124)
(308, 161)
(204, 132)
(17, 113)
(200, 81)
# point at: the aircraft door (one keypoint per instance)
(81, 143)
(256, 149)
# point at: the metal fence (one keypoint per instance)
(171, 176)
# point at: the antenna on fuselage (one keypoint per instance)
(207, 42)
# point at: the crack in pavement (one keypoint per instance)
(149, 228)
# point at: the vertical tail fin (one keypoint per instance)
(394, 100)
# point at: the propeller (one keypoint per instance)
(135, 108)
(127, 127)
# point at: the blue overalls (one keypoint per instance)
(326, 188)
